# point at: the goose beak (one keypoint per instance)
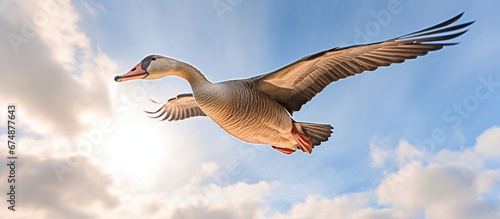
(135, 73)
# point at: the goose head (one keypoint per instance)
(152, 67)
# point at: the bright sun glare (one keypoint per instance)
(136, 149)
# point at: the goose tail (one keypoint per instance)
(309, 135)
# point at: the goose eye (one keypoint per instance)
(153, 58)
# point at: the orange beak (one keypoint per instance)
(135, 73)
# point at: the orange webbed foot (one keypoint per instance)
(286, 151)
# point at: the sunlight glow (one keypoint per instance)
(136, 149)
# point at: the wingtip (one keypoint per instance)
(461, 33)
(450, 44)
(458, 16)
(467, 24)
(446, 23)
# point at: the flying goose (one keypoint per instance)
(259, 109)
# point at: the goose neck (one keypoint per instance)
(191, 74)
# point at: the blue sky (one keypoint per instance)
(414, 140)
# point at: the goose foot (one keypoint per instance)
(286, 151)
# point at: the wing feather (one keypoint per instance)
(298, 82)
(181, 107)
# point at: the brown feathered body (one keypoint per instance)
(246, 113)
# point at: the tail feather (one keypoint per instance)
(317, 132)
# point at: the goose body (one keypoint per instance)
(259, 109)
(246, 113)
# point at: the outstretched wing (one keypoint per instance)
(181, 107)
(297, 83)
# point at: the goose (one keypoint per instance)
(259, 109)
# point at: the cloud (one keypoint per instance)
(238, 200)
(488, 143)
(51, 185)
(50, 69)
(437, 191)
(447, 184)
(204, 197)
(93, 8)
(382, 156)
(42, 195)
(320, 207)
(379, 151)
(200, 197)
(435, 186)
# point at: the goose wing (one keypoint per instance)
(297, 83)
(181, 107)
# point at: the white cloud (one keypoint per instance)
(379, 151)
(199, 198)
(42, 195)
(89, 188)
(239, 200)
(383, 156)
(425, 188)
(488, 143)
(93, 8)
(487, 180)
(407, 153)
(320, 207)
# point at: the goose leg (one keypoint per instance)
(302, 139)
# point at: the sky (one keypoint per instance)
(414, 140)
